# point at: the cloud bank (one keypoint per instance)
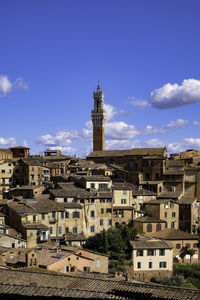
(172, 95)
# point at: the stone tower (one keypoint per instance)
(98, 120)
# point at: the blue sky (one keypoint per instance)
(145, 54)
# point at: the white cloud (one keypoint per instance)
(9, 142)
(174, 95)
(20, 84)
(64, 150)
(193, 142)
(6, 86)
(110, 111)
(172, 125)
(121, 130)
(196, 123)
(139, 102)
(60, 139)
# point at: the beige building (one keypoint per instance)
(99, 260)
(5, 154)
(62, 260)
(34, 172)
(145, 224)
(164, 209)
(26, 191)
(6, 176)
(151, 258)
(122, 195)
(181, 241)
(9, 241)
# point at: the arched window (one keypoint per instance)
(149, 227)
(158, 227)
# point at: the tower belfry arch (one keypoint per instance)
(98, 120)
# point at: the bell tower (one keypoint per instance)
(98, 120)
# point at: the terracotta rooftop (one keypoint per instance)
(41, 284)
(173, 234)
(146, 243)
(147, 219)
(134, 151)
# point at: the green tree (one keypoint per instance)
(113, 242)
(190, 252)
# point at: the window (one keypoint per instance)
(86, 269)
(98, 263)
(92, 214)
(51, 230)
(3, 171)
(102, 210)
(139, 252)
(162, 252)
(150, 252)
(43, 216)
(124, 192)
(149, 227)
(147, 175)
(75, 229)
(53, 214)
(103, 186)
(139, 265)
(158, 227)
(34, 218)
(165, 214)
(62, 214)
(108, 210)
(173, 214)
(163, 264)
(92, 228)
(76, 214)
(101, 222)
(66, 214)
(172, 224)
(123, 201)
(157, 175)
(178, 246)
(150, 265)
(60, 229)
(187, 246)
(109, 222)
(92, 185)
(149, 163)
(26, 217)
